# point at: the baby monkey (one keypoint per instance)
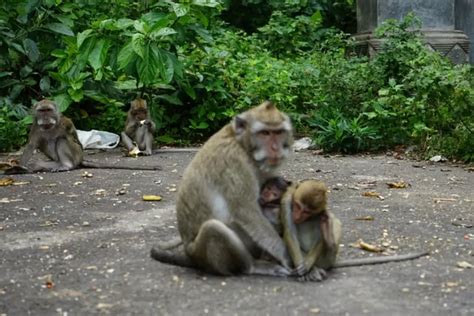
(299, 213)
(271, 193)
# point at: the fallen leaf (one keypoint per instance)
(151, 198)
(398, 185)
(364, 218)
(6, 181)
(365, 246)
(464, 265)
(372, 194)
(439, 200)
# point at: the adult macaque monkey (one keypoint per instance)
(56, 137)
(219, 219)
(312, 233)
(139, 128)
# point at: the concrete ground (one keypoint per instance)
(77, 245)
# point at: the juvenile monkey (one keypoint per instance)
(139, 128)
(219, 219)
(311, 233)
(55, 136)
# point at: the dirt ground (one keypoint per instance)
(75, 245)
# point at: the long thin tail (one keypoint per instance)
(171, 257)
(378, 260)
(91, 164)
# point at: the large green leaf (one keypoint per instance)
(148, 66)
(99, 54)
(138, 44)
(31, 49)
(126, 55)
(164, 64)
(165, 31)
(180, 9)
(82, 36)
(63, 101)
(124, 23)
(60, 29)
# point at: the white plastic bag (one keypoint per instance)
(98, 139)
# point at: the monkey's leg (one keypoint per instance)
(218, 249)
(148, 143)
(126, 141)
(329, 254)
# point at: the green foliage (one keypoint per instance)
(13, 131)
(342, 135)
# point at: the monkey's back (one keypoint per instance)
(220, 180)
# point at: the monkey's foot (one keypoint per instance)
(315, 275)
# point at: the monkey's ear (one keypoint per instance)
(239, 124)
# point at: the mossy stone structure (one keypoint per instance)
(448, 25)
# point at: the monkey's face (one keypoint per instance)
(270, 193)
(140, 114)
(300, 213)
(46, 115)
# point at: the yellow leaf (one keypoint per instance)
(6, 181)
(151, 198)
(398, 185)
(365, 246)
(364, 218)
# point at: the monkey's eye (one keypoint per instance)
(264, 133)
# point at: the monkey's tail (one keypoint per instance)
(171, 257)
(170, 244)
(91, 164)
(378, 260)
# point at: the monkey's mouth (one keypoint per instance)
(273, 161)
(46, 126)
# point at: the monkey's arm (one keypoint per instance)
(378, 260)
(151, 125)
(289, 232)
(326, 242)
(131, 127)
(27, 153)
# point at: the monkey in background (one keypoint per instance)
(55, 136)
(139, 128)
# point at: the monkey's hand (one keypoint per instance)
(300, 270)
(315, 275)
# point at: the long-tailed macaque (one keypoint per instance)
(139, 128)
(55, 136)
(312, 233)
(270, 200)
(219, 219)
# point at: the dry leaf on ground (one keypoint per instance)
(6, 181)
(365, 246)
(372, 194)
(364, 218)
(398, 185)
(151, 198)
